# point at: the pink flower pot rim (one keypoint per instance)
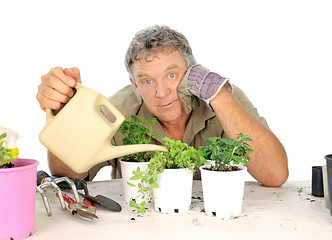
(21, 164)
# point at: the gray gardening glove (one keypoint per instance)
(202, 83)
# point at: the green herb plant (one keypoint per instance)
(179, 155)
(5, 154)
(137, 132)
(227, 153)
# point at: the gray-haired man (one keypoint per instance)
(190, 102)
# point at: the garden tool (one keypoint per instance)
(43, 177)
(103, 201)
(80, 134)
(83, 209)
(48, 185)
(99, 199)
(86, 210)
(81, 184)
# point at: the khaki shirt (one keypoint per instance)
(201, 125)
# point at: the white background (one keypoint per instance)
(278, 52)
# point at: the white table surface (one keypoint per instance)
(268, 213)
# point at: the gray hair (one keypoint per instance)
(155, 39)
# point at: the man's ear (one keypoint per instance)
(135, 86)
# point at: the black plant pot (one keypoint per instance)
(317, 182)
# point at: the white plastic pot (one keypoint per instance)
(223, 192)
(127, 169)
(174, 191)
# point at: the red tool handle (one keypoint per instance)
(67, 199)
(89, 204)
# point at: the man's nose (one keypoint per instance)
(162, 90)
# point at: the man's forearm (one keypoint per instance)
(58, 168)
(268, 164)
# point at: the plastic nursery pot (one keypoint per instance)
(127, 169)
(317, 182)
(329, 178)
(174, 192)
(18, 199)
(223, 192)
(325, 187)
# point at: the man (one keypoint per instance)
(190, 102)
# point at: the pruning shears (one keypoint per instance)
(84, 209)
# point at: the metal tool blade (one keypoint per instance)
(84, 214)
(103, 201)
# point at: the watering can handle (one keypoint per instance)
(101, 101)
(119, 118)
(49, 112)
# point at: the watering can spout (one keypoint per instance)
(111, 152)
(120, 151)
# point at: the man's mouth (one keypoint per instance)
(166, 105)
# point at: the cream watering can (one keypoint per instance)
(80, 134)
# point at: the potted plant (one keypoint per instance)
(17, 194)
(135, 132)
(6, 157)
(170, 174)
(223, 178)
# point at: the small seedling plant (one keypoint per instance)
(138, 132)
(179, 155)
(227, 153)
(5, 154)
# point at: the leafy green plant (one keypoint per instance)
(137, 132)
(5, 154)
(179, 155)
(227, 153)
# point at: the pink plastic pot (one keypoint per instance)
(18, 199)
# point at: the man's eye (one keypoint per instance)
(147, 82)
(171, 75)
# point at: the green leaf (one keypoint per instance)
(136, 177)
(131, 184)
(2, 136)
(132, 203)
(153, 183)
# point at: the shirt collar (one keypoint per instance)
(195, 123)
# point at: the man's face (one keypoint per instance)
(157, 81)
